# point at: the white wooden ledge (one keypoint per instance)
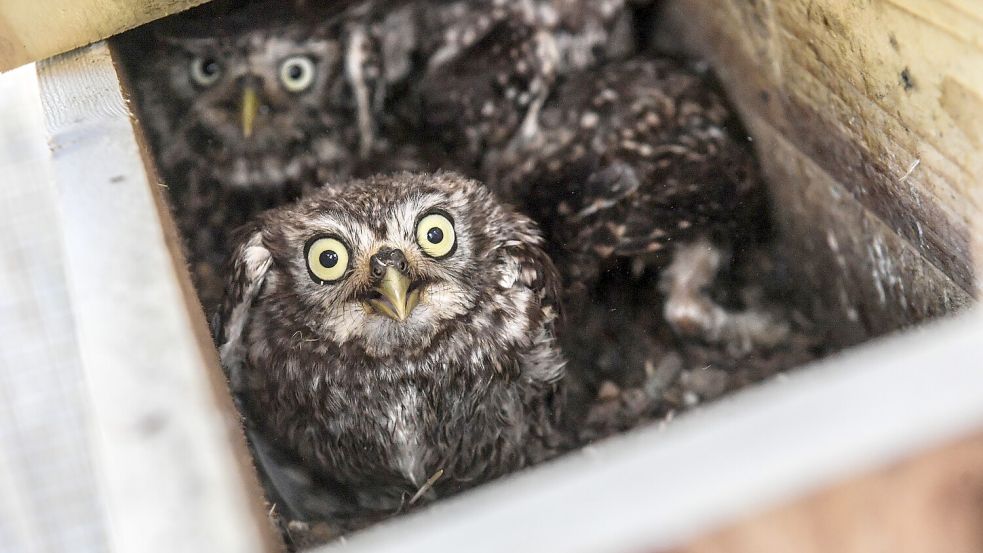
(655, 488)
(48, 490)
(164, 445)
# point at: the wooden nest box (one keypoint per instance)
(117, 431)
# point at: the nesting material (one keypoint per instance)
(634, 166)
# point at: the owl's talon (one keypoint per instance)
(692, 314)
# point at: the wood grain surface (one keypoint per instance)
(31, 30)
(174, 473)
(930, 503)
(49, 494)
(869, 119)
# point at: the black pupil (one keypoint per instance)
(329, 258)
(209, 67)
(295, 71)
(435, 235)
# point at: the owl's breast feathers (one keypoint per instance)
(479, 399)
(465, 404)
(628, 160)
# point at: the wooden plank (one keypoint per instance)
(31, 30)
(933, 502)
(174, 473)
(885, 99)
(871, 280)
(48, 502)
(658, 488)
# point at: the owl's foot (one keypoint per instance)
(692, 313)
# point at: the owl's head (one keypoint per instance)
(387, 263)
(247, 101)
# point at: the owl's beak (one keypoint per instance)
(250, 105)
(397, 301)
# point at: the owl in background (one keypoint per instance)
(636, 173)
(499, 60)
(585, 32)
(396, 337)
(250, 105)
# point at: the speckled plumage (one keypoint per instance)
(219, 175)
(584, 32)
(491, 64)
(469, 384)
(622, 165)
(627, 161)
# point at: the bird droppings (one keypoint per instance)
(907, 82)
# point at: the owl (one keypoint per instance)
(633, 167)
(493, 63)
(396, 337)
(653, 176)
(248, 108)
(584, 32)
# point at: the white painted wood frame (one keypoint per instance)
(142, 449)
(660, 487)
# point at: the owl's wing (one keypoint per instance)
(646, 155)
(297, 494)
(379, 39)
(535, 270)
(540, 274)
(491, 90)
(246, 271)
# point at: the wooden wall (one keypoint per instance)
(868, 117)
(932, 502)
(119, 419)
(31, 30)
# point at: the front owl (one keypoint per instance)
(397, 330)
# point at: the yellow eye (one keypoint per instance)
(205, 71)
(327, 259)
(297, 73)
(435, 235)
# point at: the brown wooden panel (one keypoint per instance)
(884, 99)
(931, 503)
(31, 30)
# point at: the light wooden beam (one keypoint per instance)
(868, 117)
(932, 502)
(662, 487)
(31, 30)
(49, 499)
(165, 443)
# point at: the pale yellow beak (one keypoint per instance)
(250, 106)
(397, 300)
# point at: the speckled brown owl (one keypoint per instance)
(493, 63)
(247, 109)
(583, 32)
(634, 166)
(396, 331)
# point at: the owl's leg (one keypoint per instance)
(693, 313)
(355, 64)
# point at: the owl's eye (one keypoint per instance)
(327, 259)
(205, 71)
(435, 235)
(297, 73)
